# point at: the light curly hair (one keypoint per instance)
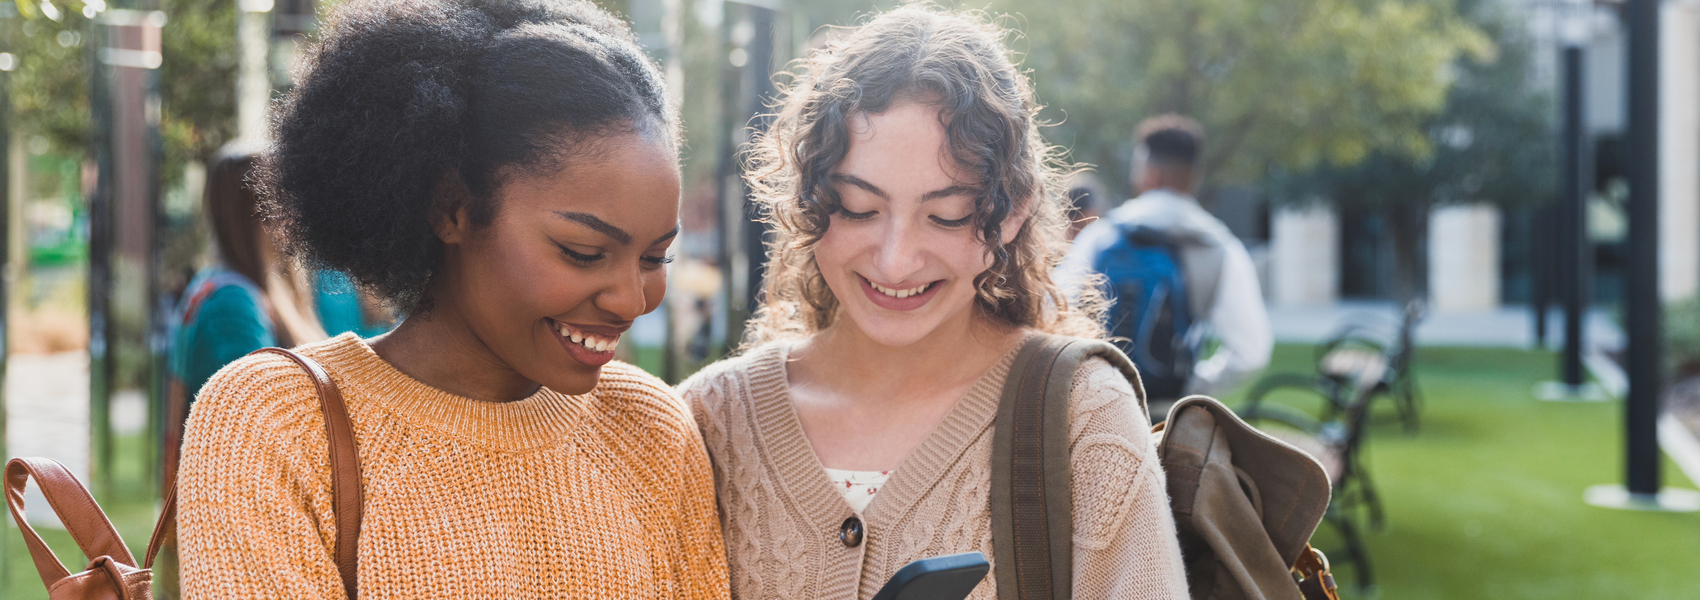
(956, 61)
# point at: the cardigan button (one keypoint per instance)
(850, 533)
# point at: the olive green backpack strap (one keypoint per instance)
(1032, 487)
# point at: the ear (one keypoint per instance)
(450, 219)
(452, 227)
(1012, 224)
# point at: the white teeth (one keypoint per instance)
(590, 343)
(898, 293)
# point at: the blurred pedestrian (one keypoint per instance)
(343, 307)
(1086, 201)
(250, 297)
(1176, 275)
(506, 175)
(919, 216)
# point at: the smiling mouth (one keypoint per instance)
(589, 341)
(896, 293)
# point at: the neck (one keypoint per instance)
(438, 349)
(842, 357)
(1177, 179)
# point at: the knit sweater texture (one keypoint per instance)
(782, 515)
(602, 495)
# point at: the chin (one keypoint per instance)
(573, 384)
(894, 333)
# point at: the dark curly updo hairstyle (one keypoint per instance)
(409, 109)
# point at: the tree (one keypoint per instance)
(1492, 143)
(50, 88)
(1289, 83)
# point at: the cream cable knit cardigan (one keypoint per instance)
(781, 515)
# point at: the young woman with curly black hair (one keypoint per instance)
(919, 216)
(505, 174)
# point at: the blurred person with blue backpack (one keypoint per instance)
(1180, 283)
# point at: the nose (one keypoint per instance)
(624, 296)
(899, 252)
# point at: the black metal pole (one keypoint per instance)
(759, 90)
(101, 330)
(1540, 269)
(1574, 257)
(7, 18)
(1641, 298)
(159, 304)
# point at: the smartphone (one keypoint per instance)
(950, 577)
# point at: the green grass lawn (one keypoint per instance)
(131, 507)
(1484, 501)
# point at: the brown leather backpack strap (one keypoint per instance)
(167, 522)
(82, 517)
(1032, 495)
(346, 495)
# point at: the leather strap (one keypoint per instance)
(346, 494)
(1315, 579)
(82, 517)
(167, 522)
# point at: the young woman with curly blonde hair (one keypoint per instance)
(919, 216)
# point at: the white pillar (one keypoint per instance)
(253, 81)
(1463, 258)
(1679, 150)
(1304, 256)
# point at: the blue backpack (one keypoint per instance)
(1149, 318)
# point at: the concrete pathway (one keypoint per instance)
(47, 414)
(1512, 327)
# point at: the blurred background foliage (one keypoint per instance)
(197, 77)
(1290, 83)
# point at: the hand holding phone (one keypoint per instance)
(949, 577)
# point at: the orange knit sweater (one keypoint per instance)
(603, 495)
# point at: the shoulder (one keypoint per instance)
(262, 399)
(1112, 458)
(231, 300)
(1102, 402)
(642, 399)
(725, 379)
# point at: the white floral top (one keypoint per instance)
(858, 487)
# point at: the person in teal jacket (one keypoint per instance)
(342, 307)
(248, 299)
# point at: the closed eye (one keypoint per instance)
(856, 216)
(952, 224)
(581, 257)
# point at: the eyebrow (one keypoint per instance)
(667, 236)
(608, 229)
(593, 222)
(955, 190)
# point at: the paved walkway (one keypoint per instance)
(47, 414)
(1512, 327)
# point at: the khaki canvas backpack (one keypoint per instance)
(1245, 504)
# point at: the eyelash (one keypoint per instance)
(582, 258)
(863, 216)
(591, 258)
(854, 216)
(959, 223)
